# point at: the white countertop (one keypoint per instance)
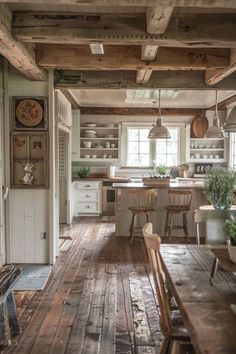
(189, 183)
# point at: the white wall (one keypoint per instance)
(28, 209)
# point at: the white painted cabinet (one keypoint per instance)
(87, 197)
(205, 149)
(29, 237)
(99, 141)
(75, 145)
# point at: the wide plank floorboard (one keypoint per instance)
(98, 299)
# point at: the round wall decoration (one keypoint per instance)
(29, 112)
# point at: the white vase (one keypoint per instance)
(232, 252)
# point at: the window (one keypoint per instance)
(232, 157)
(141, 151)
(167, 150)
(138, 147)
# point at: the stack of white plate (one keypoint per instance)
(91, 124)
(90, 134)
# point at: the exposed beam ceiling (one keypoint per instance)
(140, 111)
(128, 58)
(158, 17)
(18, 54)
(179, 3)
(213, 76)
(184, 31)
(147, 43)
(120, 79)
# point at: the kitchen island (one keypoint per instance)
(158, 216)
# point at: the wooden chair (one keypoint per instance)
(179, 203)
(140, 201)
(202, 216)
(171, 323)
(9, 321)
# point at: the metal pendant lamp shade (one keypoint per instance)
(215, 131)
(230, 124)
(158, 131)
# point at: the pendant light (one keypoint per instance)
(230, 123)
(158, 131)
(215, 131)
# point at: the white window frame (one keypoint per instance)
(232, 150)
(152, 149)
(178, 143)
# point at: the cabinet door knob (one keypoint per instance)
(88, 206)
(88, 195)
(87, 185)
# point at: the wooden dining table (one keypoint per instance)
(209, 311)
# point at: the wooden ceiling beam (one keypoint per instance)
(199, 30)
(179, 3)
(149, 52)
(222, 105)
(140, 111)
(127, 79)
(128, 58)
(143, 76)
(18, 54)
(71, 98)
(213, 76)
(158, 17)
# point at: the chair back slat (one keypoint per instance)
(153, 242)
(181, 198)
(141, 200)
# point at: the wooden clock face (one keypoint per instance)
(29, 112)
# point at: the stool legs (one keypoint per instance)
(185, 226)
(169, 226)
(132, 225)
(131, 229)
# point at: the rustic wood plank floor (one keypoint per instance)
(99, 299)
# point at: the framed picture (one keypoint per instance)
(29, 113)
(29, 160)
(202, 168)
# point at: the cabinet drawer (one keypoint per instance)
(88, 207)
(87, 184)
(87, 196)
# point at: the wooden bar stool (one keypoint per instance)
(140, 201)
(179, 203)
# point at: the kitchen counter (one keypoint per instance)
(158, 216)
(106, 179)
(173, 184)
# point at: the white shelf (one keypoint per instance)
(98, 128)
(98, 149)
(100, 139)
(204, 147)
(98, 159)
(208, 139)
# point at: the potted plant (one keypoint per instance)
(230, 230)
(83, 171)
(219, 186)
(160, 170)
